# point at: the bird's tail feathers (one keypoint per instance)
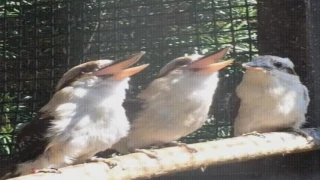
(10, 174)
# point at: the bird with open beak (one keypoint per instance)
(175, 104)
(272, 98)
(84, 116)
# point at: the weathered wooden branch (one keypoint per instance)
(177, 159)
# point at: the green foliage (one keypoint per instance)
(234, 25)
(12, 115)
(50, 36)
(6, 127)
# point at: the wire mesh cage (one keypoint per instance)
(42, 39)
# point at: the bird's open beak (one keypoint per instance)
(209, 63)
(119, 69)
(216, 66)
(129, 72)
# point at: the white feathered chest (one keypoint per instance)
(270, 103)
(86, 121)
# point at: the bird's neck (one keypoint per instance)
(187, 91)
(269, 79)
(74, 101)
(257, 78)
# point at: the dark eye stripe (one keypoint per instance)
(277, 64)
(175, 65)
(290, 71)
(79, 73)
(181, 63)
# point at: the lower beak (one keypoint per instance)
(118, 66)
(255, 68)
(216, 66)
(209, 59)
(129, 72)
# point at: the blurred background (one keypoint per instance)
(41, 39)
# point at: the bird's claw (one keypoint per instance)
(46, 170)
(152, 154)
(110, 163)
(184, 145)
(315, 134)
(254, 133)
(304, 134)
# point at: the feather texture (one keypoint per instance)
(83, 117)
(31, 140)
(172, 106)
(272, 98)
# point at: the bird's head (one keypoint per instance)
(196, 65)
(100, 73)
(270, 65)
(187, 76)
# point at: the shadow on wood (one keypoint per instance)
(178, 159)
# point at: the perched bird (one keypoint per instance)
(84, 116)
(272, 98)
(175, 104)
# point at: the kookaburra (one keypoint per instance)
(272, 97)
(84, 116)
(175, 104)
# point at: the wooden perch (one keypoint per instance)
(177, 159)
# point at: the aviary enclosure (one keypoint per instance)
(42, 39)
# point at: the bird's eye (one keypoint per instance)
(87, 69)
(85, 73)
(277, 64)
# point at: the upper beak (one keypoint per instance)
(210, 63)
(120, 70)
(253, 65)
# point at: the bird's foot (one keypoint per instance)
(46, 170)
(150, 153)
(184, 145)
(254, 133)
(110, 163)
(315, 134)
(304, 134)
